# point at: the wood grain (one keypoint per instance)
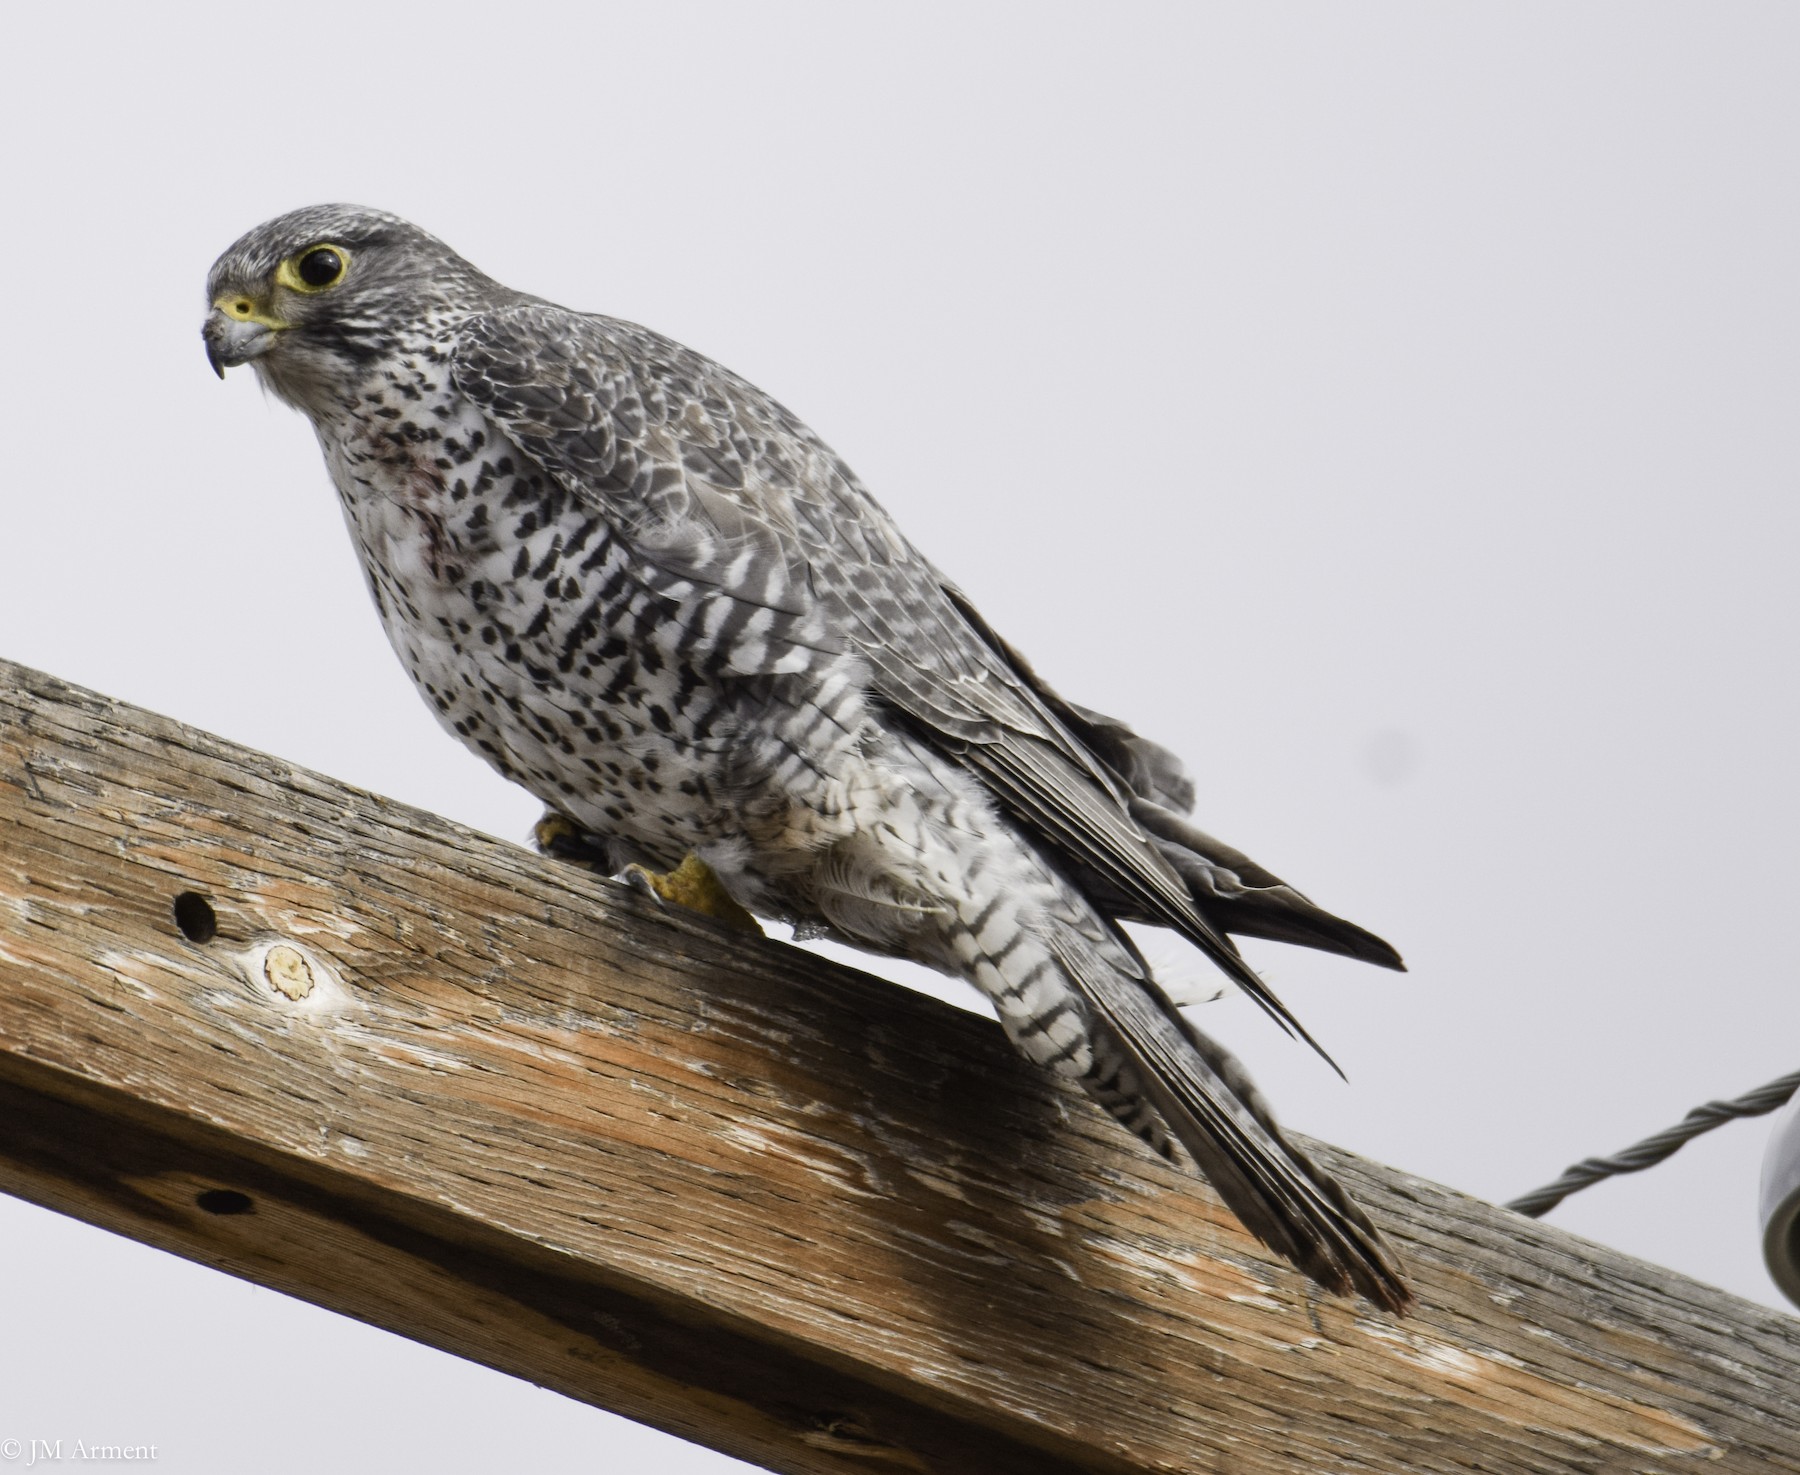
(724, 1187)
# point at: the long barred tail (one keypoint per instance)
(1076, 997)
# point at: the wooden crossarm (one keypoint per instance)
(721, 1186)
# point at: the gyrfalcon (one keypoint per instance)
(644, 590)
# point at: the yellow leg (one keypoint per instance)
(693, 885)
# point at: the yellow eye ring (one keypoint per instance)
(316, 269)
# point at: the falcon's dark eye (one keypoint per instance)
(320, 267)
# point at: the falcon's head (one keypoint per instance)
(315, 297)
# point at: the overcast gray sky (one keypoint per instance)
(1391, 407)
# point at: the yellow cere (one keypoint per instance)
(247, 310)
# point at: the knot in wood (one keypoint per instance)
(288, 972)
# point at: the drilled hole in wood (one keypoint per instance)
(224, 1201)
(195, 917)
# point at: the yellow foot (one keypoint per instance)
(558, 835)
(693, 885)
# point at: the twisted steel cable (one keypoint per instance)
(1653, 1150)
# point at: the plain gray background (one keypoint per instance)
(1391, 407)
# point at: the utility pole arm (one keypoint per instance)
(366, 1057)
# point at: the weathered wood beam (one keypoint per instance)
(358, 1054)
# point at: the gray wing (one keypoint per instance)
(1236, 894)
(738, 512)
(780, 562)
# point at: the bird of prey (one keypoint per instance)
(641, 588)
